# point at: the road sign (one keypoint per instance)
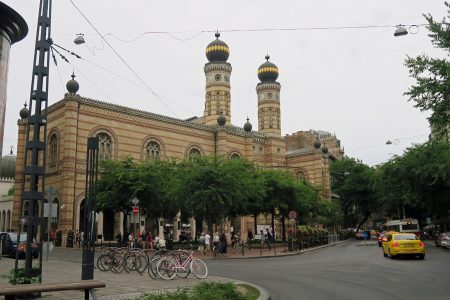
(135, 210)
(292, 214)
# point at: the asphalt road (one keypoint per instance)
(345, 271)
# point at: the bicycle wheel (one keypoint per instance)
(166, 268)
(152, 272)
(104, 262)
(131, 262)
(143, 262)
(199, 268)
(118, 264)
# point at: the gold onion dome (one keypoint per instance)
(268, 71)
(217, 50)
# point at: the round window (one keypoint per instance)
(217, 77)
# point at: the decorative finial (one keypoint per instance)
(73, 75)
(221, 119)
(267, 57)
(217, 34)
(11, 147)
(248, 126)
(25, 104)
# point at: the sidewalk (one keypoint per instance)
(118, 286)
(279, 250)
(129, 285)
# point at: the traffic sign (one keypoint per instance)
(292, 214)
(135, 210)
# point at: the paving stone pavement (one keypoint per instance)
(118, 286)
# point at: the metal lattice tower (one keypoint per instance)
(33, 184)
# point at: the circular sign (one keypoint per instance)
(292, 214)
(135, 210)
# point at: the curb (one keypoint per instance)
(263, 294)
(286, 254)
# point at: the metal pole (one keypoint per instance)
(51, 192)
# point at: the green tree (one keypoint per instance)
(431, 92)
(211, 188)
(418, 181)
(353, 182)
(154, 187)
(115, 186)
(283, 193)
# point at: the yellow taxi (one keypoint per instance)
(403, 244)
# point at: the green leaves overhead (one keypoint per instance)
(431, 92)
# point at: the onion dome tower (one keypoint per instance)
(217, 73)
(268, 91)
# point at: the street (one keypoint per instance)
(345, 271)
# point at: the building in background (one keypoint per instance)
(13, 28)
(7, 175)
(143, 135)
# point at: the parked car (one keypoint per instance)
(380, 239)
(441, 239)
(10, 247)
(403, 244)
(359, 235)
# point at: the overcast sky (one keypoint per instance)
(348, 82)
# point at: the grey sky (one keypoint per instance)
(349, 82)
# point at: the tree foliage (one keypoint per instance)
(419, 180)
(431, 92)
(353, 182)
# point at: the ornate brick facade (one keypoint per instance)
(143, 135)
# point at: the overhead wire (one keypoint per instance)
(116, 75)
(384, 144)
(123, 60)
(78, 70)
(197, 33)
(57, 68)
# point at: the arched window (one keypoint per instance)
(104, 147)
(53, 153)
(300, 175)
(152, 151)
(26, 208)
(194, 153)
(235, 156)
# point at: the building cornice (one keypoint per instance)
(263, 86)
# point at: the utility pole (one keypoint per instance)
(33, 183)
(90, 228)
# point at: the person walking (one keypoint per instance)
(269, 238)
(144, 239)
(201, 241)
(223, 244)
(207, 243)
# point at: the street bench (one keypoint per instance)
(88, 286)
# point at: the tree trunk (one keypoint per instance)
(255, 223)
(210, 224)
(283, 227)
(124, 223)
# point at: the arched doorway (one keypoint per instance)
(108, 225)
(81, 216)
(3, 221)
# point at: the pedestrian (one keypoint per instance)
(201, 241)
(149, 240)
(223, 243)
(250, 235)
(119, 239)
(207, 243)
(144, 239)
(269, 238)
(77, 238)
(131, 240)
